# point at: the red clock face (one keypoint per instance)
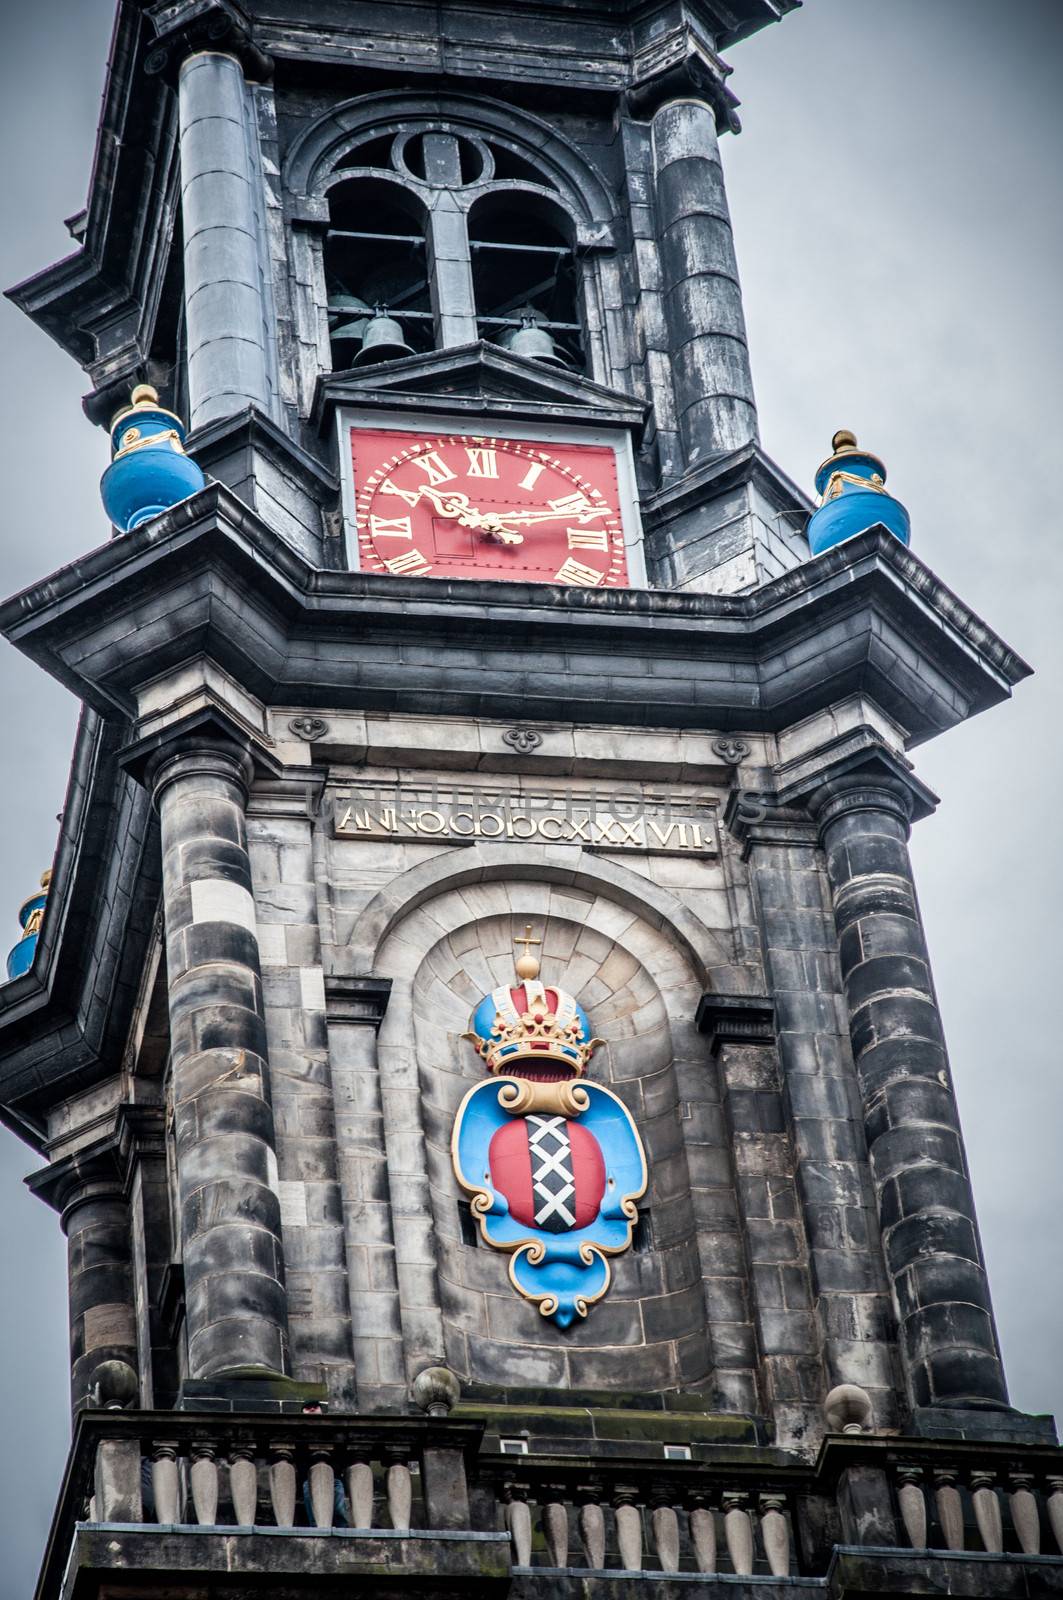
(470, 506)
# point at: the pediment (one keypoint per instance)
(479, 378)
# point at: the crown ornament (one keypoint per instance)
(528, 1030)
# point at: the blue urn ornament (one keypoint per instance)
(852, 497)
(149, 470)
(30, 916)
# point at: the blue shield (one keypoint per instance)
(557, 1191)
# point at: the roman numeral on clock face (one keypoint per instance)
(576, 573)
(533, 473)
(588, 538)
(482, 463)
(391, 527)
(411, 561)
(435, 467)
(411, 496)
(577, 505)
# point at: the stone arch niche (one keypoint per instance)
(636, 977)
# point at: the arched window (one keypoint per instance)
(472, 220)
(376, 272)
(439, 237)
(524, 277)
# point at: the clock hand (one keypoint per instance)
(452, 503)
(526, 518)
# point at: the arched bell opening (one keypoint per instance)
(525, 277)
(376, 273)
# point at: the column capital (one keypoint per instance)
(95, 1172)
(867, 789)
(760, 817)
(199, 755)
(360, 1000)
(736, 1019)
(188, 27)
(873, 780)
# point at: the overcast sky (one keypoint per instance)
(896, 202)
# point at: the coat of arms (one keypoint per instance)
(554, 1165)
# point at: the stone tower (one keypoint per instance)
(479, 1021)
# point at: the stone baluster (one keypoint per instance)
(555, 1529)
(926, 1208)
(166, 1481)
(665, 1526)
(628, 1527)
(518, 1523)
(203, 1476)
(912, 1501)
(282, 1484)
(360, 1491)
(243, 1484)
(987, 1515)
(1024, 1514)
(1054, 1507)
(775, 1533)
(322, 1481)
(949, 1507)
(399, 1486)
(738, 1532)
(236, 1309)
(703, 1535)
(591, 1521)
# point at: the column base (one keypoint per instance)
(983, 1422)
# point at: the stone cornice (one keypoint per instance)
(479, 379)
(864, 617)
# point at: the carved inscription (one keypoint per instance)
(656, 823)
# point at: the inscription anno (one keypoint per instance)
(659, 824)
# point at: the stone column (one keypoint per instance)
(235, 1304)
(926, 1209)
(703, 302)
(99, 1262)
(88, 1191)
(228, 298)
(850, 1292)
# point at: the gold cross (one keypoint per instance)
(527, 940)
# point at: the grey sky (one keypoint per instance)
(896, 205)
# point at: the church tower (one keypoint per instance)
(479, 1022)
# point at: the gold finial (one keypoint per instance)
(527, 965)
(844, 439)
(46, 878)
(144, 395)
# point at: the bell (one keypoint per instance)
(531, 339)
(382, 340)
(351, 318)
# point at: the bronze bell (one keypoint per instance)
(382, 340)
(531, 339)
(351, 319)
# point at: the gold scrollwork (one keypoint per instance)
(171, 437)
(522, 1096)
(838, 479)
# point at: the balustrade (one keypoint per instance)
(740, 1513)
(643, 1517)
(942, 1494)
